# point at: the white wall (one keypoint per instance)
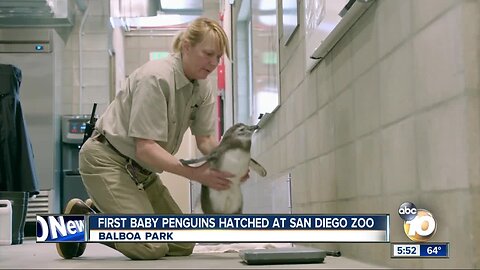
(95, 72)
(391, 115)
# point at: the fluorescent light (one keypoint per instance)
(160, 20)
(181, 5)
(267, 5)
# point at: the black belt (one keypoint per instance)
(132, 166)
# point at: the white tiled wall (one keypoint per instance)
(441, 147)
(390, 115)
(399, 163)
(396, 84)
(95, 43)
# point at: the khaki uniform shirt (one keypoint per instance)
(159, 103)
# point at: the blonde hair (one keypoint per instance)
(198, 30)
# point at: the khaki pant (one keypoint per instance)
(114, 192)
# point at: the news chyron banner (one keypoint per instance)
(213, 228)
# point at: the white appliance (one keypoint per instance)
(37, 52)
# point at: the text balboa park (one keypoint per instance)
(135, 236)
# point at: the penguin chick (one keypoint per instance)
(231, 155)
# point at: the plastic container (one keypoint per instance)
(5, 223)
(19, 204)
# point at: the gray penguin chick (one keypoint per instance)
(231, 155)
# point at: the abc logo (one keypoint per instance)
(407, 211)
(419, 224)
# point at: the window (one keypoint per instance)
(257, 70)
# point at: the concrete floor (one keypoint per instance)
(35, 255)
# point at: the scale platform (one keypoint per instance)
(282, 255)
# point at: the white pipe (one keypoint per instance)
(80, 61)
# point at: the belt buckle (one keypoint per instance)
(140, 168)
(132, 173)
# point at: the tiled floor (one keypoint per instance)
(36, 255)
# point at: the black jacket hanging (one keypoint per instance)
(17, 167)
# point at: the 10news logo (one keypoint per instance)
(60, 228)
(419, 224)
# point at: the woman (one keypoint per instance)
(142, 129)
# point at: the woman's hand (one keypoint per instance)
(212, 178)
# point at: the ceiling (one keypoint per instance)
(53, 13)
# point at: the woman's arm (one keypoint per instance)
(206, 143)
(149, 152)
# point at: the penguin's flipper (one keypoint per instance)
(193, 161)
(257, 167)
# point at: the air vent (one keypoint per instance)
(36, 13)
(38, 205)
